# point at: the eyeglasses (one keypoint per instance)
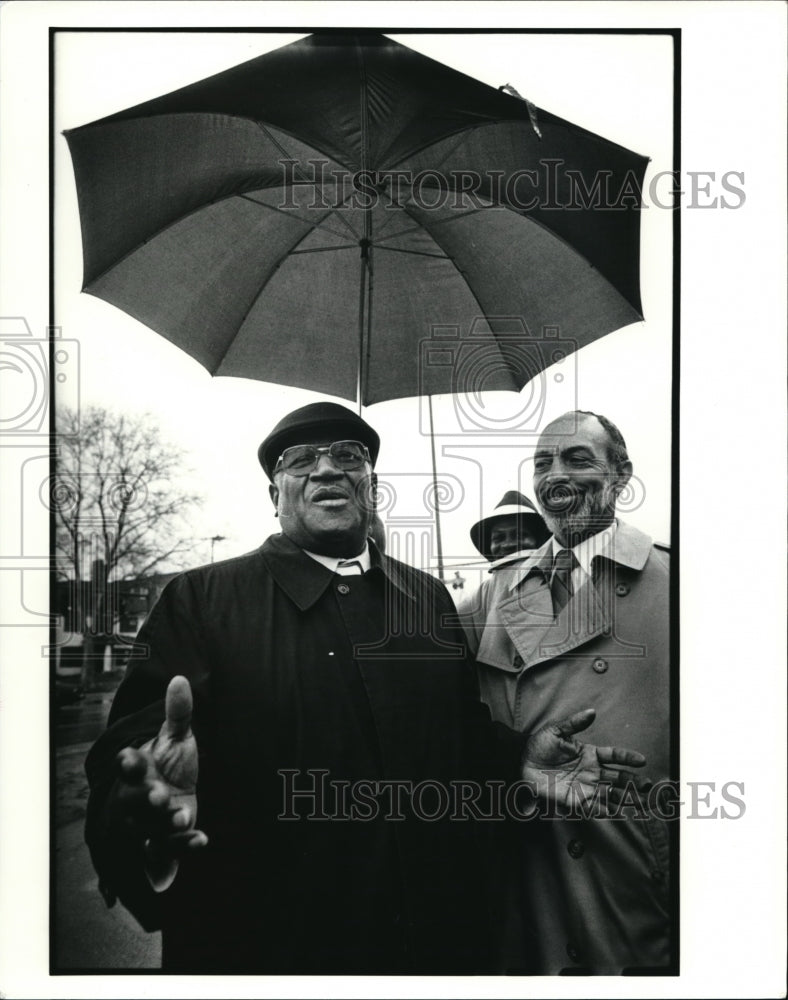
(302, 459)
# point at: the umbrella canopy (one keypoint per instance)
(312, 217)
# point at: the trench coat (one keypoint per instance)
(301, 677)
(593, 892)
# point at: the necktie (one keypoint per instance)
(349, 567)
(561, 579)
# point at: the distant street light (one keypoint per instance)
(214, 540)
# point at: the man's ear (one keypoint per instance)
(273, 493)
(624, 475)
(373, 479)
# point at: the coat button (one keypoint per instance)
(343, 588)
(572, 952)
(576, 848)
(622, 589)
(657, 875)
(517, 661)
(599, 665)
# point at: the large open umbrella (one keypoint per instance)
(313, 216)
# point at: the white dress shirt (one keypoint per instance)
(586, 551)
(344, 567)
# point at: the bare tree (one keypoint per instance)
(117, 506)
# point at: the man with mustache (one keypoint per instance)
(251, 793)
(514, 525)
(583, 621)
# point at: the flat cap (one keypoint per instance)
(316, 420)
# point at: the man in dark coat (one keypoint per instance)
(309, 707)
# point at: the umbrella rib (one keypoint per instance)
(440, 222)
(415, 253)
(273, 208)
(522, 215)
(282, 150)
(186, 215)
(343, 246)
(424, 253)
(463, 132)
(261, 289)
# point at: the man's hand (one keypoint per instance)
(570, 774)
(156, 790)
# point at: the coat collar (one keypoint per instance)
(527, 609)
(304, 580)
(630, 548)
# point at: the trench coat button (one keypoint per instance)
(657, 875)
(576, 848)
(343, 588)
(622, 589)
(599, 665)
(517, 662)
(572, 952)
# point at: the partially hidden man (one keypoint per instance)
(315, 657)
(584, 620)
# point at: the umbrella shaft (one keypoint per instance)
(435, 493)
(364, 316)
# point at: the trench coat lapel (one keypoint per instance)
(527, 615)
(527, 610)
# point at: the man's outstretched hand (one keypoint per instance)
(155, 794)
(563, 771)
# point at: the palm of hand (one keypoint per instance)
(570, 773)
(561, 770)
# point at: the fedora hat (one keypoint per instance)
(512, 504)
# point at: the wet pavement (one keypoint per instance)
(87, 935)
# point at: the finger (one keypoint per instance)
(147, 804)
(574, 723)
(159, 795)
(175, 845)
(628, 797)
(621, 779)
(155, 817)
(181, 818)
(616, 755)
(132, 766)
(178, 708)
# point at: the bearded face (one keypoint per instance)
(575, 510)
(575, 480)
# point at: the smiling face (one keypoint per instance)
(511, 534)
(576, 482)
(327, 511)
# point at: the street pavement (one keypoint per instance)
(88, 935)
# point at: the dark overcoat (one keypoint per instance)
(302, 679)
